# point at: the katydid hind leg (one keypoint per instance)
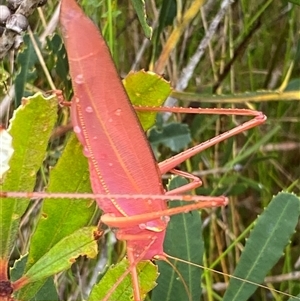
(194, 182)
(259, 118)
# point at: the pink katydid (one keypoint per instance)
(124, 169)
(102, 114)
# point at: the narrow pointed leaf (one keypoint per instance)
(61, 65)
(265, 245)
(26, 61)
(139, 6)
(183, 240)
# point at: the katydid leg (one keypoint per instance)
(131, 221)
(172, 162)
(195, 182)
(134, 274)
(169, 164)
(202, 111)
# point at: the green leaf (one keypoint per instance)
(167, 14)
(139, 6)
(147, 274)
(61, 217)
(73, 214)
(61, 64)
(293, 84)
(174, 135)
(44, 290)
(63, 254)
(265, 245)
(30, 127)
(183, 240)
(146, 89)
(166, 18)
(26, 73)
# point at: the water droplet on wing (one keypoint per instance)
(89, 109)
(118, 112)
(102, 156)
(86, 152)
(142, 226)
(79, 79)
(77, 129)
(165, 218)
